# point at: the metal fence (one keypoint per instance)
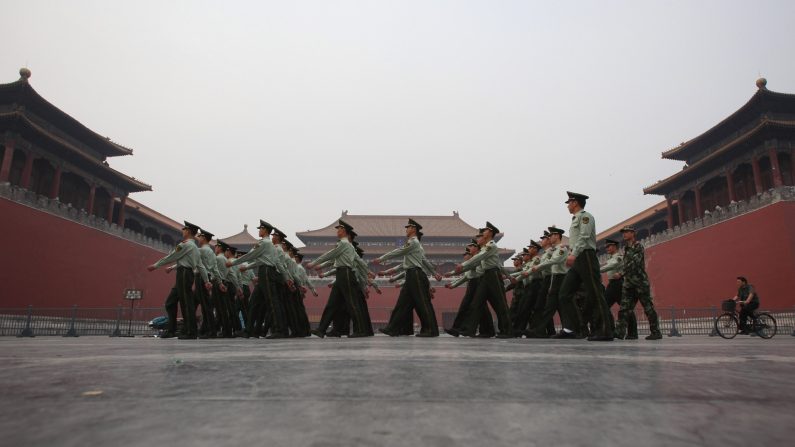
(120, 321)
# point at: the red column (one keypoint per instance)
(56, 183)
(27, 171)
(777, 179)
(699, 211)
(91, 194)
(8, 157)
(670, 217)
(757, 175)
(680, 207)
(730, 184)
(110, 208)
(121, 211)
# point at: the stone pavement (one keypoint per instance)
(410, 392)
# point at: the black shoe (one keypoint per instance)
(168, 334)
(358, 335)
(420, 334)
(186, 337)
(317, 333)
(631, 337)
(205, 336)
(504, 336)
(334, 334)
(386, 332)
(453, 332)
(487, 335)
(275, 336)
(600, 338)
(654, 336)
(563, 335)
(529, 334)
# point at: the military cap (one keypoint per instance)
(534, 244)
(490, 226)
(545, 235)
(473, 243)
(207, 235)
(299, 256)
(287, 243)
(413, 223)
(354, 243)
(465, 253)
(517, 257)
(611, 242)
(265, 226)
(627, 228)
(353, 234)
(280, 233)
(189, 226)
(525, 252)
(342, 224)
(230, 248)
(222, 244)
(555, 230)
(576, 196)
(360, 252)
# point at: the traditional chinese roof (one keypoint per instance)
(764, 129)
(393, 226)
(240, 240)
(430, 251)
(763, 104)
(20, 95)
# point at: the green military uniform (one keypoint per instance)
(532, 282)
(636, 288)
(489, 289)
(267, 303)
(186, 256)
(207, 258)
(414, 294)
(221, 297)
(555, 261)
(584, 273)
(343, 292)
(471, 278)
(614, 269)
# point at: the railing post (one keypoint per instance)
(674, 331)
(793, 330)
(72, 332)
(28, 331)
(117, 332)
(713, 332)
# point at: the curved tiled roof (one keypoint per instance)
(244, 238)
(763, 101)
(22, 94)
(394, 226)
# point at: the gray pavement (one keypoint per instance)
(409, 392)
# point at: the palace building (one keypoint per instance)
(728, 212)
(67, 215)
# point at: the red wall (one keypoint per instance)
(54, 262)
(699, 269)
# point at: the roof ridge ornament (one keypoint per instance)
(24, 74)
(761, 84)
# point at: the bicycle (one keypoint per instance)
(727, 325)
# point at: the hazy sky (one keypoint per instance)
(292, 111)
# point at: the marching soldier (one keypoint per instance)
(584, 270)
(266, 300)
(471, 278)
(207, 257)
(635, 288)
(490, 288)
(343, 291)
(532, 283)
(234, 291)
(555, 261)
(415, 292)
(221, 291)
(186, 255)
(518, 288)
(614, 269)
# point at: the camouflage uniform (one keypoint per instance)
(635, 288)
